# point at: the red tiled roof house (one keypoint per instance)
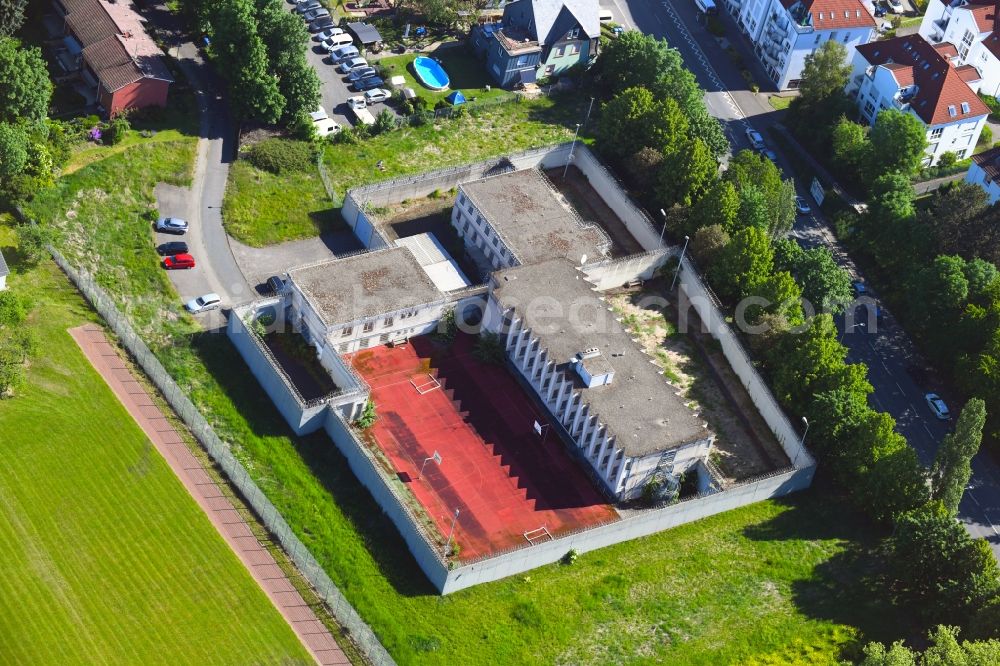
(114, 54)
(972, 29)
(911, 75)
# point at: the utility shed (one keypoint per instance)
(366, 35)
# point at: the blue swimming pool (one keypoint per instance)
(430, 73)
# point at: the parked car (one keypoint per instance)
(352, 63)
(178, 261)
(324, 35)
(362, 73)
(315, 14)
(368, 84)
(326, 127)
(321, 23)
(895, 6)
(167, 249)
(802, 206)
(275, 284)
(755, 139)
(938, 407)
(337, 41)
(769, 154)
(342, 53)
(171, 225)
(319, 114)
(376, 95)
(203, 303)
(307, 6)
(879, 10)
(859, 287)
(357, 102)
(706, 7)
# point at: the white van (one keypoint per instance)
(336, 41)
(706, 6)
(605, 16)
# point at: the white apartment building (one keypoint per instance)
(625, 420)
(985, 172)
(909, 74)
(784, 32)
(971, 30)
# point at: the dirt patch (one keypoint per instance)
(744, 446)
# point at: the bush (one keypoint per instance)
(282, 155)
(368, 416)
(117, 129)
(986, 137)
(947, 160)
(384, 122)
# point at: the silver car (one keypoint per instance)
(171, 225)
(203, 303)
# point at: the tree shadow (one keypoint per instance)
(847, 588)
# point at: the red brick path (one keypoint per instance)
(226, 519)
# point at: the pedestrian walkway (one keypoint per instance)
(219, 509)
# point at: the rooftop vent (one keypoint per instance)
(589, 353)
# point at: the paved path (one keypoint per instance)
(893, 363)
(226, 519)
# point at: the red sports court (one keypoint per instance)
(509, 485)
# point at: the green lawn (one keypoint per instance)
(107, 559)
(779, 103)
(766, 584)
(262, 209)
(465, 73)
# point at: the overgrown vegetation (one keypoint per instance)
(281, 156)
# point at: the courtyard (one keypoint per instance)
(509, 484)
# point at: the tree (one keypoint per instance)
(744, 266)
(943, 650)
(634, 120)
(13, 150)
(24, 83)
(953, 462)
(825, 285)
(754, 210)
(685, 174)
(897, 654)
(635, 60)
(719, 205)
(32, 242)
(849, 147)
(825, 73)
(242, 57)
(936, 568)
(898, 140)
(644, 168)
(748, 169)
(943, 290)
(286, 40)
(708, 242)
(11, 16)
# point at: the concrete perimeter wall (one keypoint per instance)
(692, 292)
(643, 524)
(613, 273)
(365, 468)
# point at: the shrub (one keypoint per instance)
(117, 129)
(282, 155)
(947, 159)
(384, 122)
(986, 137)
(368, 416)
(570, 557)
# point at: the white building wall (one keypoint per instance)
(476, 231)
(976, 176)
(807, 43)
(385, 328)
(957, 26)
(958, 137)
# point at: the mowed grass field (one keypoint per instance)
(107, 559)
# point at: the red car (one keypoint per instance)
(179, 261)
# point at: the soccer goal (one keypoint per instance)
(424, 383)
(535, 536)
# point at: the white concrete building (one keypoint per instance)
(909, 74)
(971, 30)
(625, 420)
(985, 172)
(784, 32)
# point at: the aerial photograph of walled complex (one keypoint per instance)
(557, 332)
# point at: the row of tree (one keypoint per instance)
(260, 49)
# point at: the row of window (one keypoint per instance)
(369, 326)
(569, 49)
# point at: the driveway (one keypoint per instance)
(258, 264)
(888, 352)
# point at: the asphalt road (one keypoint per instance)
(885, 349)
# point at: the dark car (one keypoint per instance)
(879, 10)
(275, 284)
(362, 73)
(178, 261)
(369, 83)
(167, 249)
(322, 23)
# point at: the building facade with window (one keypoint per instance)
(784, 32)
(972, 31)
(537, 39)
(985, 172)
(911, 75)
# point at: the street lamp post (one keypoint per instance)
(451, 533)
(677, 271)
(571, 149)
(663, 229)
(587, 118)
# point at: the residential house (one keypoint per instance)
(538, 38)
(909, 74)
(784, 32)
(107, 45)
(985, 172)
(971, 29)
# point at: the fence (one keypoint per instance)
(360, 632)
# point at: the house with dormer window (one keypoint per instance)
(926, 81)
(537, 39)
(971, 28)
